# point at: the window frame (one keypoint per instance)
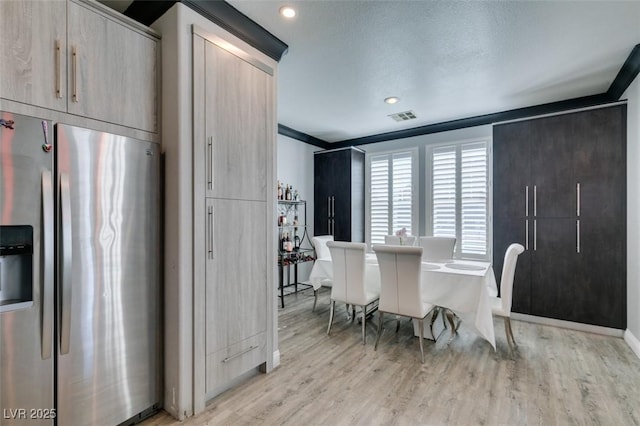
(415, 178)
(429, 193)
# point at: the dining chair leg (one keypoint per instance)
(364, 321)
(315, 300)
(397, 323)
(421, 332)
(353, 313)
(509, 333)
(434, 316)
(333, 307)
(380, 315)
(452, 322)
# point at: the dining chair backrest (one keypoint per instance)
(409, 240)
(437, 248)
(320, 245)
(508, 274)
(400, 274)
(348, 261)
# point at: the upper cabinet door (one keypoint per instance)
(512, 187)
(112, 70)
(238, 108)
(32, 58)
(552, 169)
(600, 162)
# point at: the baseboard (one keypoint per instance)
(596, 329)
(633, 342)
(276, 358)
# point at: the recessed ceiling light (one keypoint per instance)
(287, 12)
(391, 100)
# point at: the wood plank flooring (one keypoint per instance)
(555, 377)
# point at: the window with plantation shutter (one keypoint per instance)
(391, 194)
(459, 184)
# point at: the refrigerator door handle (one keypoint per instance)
(47, 276)
(66, 256)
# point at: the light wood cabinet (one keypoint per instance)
(236, 102)
(32, 57)
(78, 57)
(113, 74)
(236, 290)
(234, 135)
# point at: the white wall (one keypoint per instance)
(632, 334)
(295, 167)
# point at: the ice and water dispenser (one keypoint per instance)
(16, 267)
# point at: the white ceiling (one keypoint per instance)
(445, 60)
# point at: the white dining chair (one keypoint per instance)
(350, 284)
(319, 243)
(501, 306)
(400, 289)
(437, 248)
(409, 240)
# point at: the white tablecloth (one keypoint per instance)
(464, 286)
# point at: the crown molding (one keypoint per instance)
(220, 13)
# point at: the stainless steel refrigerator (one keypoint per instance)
(80, 296)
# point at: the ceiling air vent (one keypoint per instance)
(403, 116)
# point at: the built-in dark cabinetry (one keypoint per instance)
(339, 194)
(559, 189)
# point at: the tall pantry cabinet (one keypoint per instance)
(220, 250)
(339, 194)
(559, 189)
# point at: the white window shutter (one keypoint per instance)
(444, 192)
(473, 198)
(391, 203)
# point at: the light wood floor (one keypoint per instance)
(555, 377)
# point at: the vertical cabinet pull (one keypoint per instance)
(333, 206)
(328, 206)
(535, 235)
(526, 200)
(74, 74)
(58, 49)
(209, 162)
(578, 199)
(210, 232)
(578, 236)
(535, 201)
(526, 234)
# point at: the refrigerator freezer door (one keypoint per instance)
(111, 371)
(26, 274)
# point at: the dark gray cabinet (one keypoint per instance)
(339, 194)
(559, 190)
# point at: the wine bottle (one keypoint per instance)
(279, 190)
(287, 193)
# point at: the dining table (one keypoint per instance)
(463, 286)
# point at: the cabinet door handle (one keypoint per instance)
(58, 49)
(578, 236)
(333, 206)
(74, 75)
(210, 232)
(578, 199)
(526, 234)
(209, 162)
(328, 206)
(535, 201)
(535, 235)
(526, 202)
